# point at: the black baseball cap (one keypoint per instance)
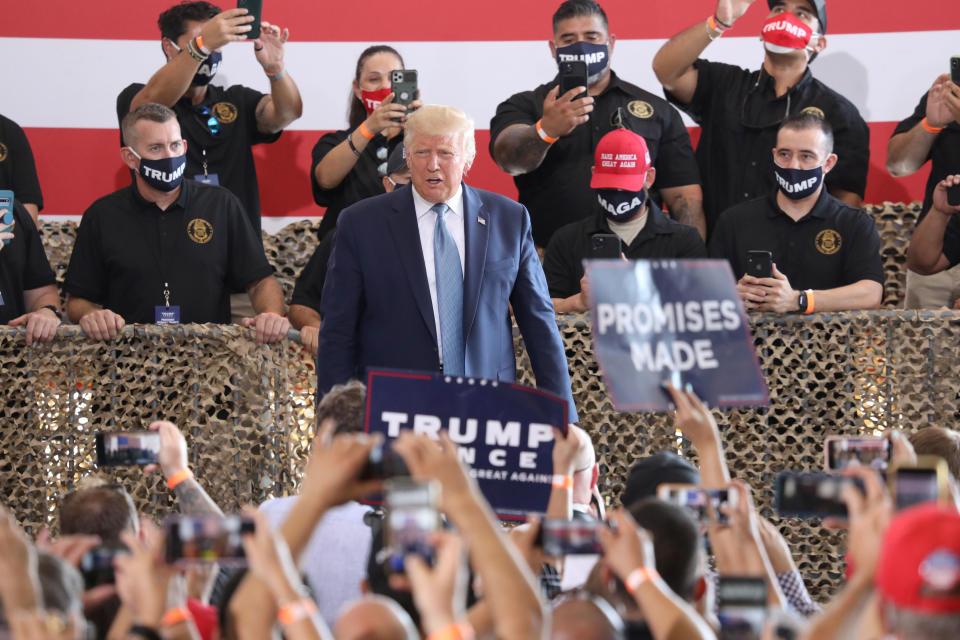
(648, 473)
(397, 160)
(820, 6)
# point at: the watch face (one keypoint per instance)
(802, 302)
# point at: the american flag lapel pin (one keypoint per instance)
(481, 221)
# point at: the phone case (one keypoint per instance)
(403, 83)
(255, 7)
(573, 74)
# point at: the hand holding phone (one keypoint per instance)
(605, 245)
(840, 452)
(127, 448)
(573, 74)
(255, 9)
(702, 504)
(926, 481)
(760, 264)
(413, 517)
(811, 495)
(192, 540)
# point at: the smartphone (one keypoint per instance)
(955, 70)
(383, 463)
(403, 83)
(799, 494)
(573, 74)
(605, 245)
(924, 482)
(255, 8)
(6, 213)
(127, 448)
(561, 538)
(96, 565)
(741, 607)
(760, 264)
(702, 504)
(412, 519)
(193, 540)
(953, 195)
(840, 451)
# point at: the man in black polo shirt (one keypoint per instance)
(739, 110)
(546, 140)
(220, 125)
(28, 286)
(931, 133)
(165, 249)
(18, 172)
(826, 254)
(305, 304)
(935, 244)
(621, 181)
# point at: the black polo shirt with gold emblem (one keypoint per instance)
(739, 113)
(832, 246)
(23, 265)
(570, 245)
(221, 130)
(202, 246)
(18, 172)
(558, 191)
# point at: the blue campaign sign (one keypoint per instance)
(677, 320)
(504, 431)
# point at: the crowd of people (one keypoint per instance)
(414, 269)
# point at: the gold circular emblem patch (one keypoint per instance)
(640, 109)
(3, 152)
(828, 242)
(814, 111)
(200, 231)
(225, 112)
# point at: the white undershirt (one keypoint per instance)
(628, 230)
(426, 223)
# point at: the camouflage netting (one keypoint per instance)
(247, 410)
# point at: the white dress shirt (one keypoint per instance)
(427, 222)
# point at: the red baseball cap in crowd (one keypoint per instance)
(620, 161)
(919, 566)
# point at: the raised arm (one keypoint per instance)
(909, 150)
(925, 253)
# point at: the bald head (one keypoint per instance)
(374, 618)
(585, 619)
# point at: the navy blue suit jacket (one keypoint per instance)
(376, 302)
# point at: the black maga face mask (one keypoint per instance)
(620, 206)
(797, 184)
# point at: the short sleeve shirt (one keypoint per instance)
(18, 172)
(739, 113)
(225, 146)
(832, 246)
(363, 181)
(309, 288)
(558, 191)
(570, 245)
(23, 265)
(201, 248)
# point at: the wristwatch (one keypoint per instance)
(802, 302)
(56, 311)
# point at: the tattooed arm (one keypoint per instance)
(518, 149)
(194, 501)
(686, 206)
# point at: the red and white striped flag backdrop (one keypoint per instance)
(64, 62)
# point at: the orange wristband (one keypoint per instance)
(928, 127)
(562, 482)
(175, 616)
(274, 313)
(716, 26)
(543, 134)
(199, 42)
(364, 131)
(810, 303)
(179, 477)
(638, 576)
(455, 631)
(296, 611)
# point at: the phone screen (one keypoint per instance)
(6, 213)
(811, 495)
(741, 607)
(571, 538)
(96, 565)
(702, 504)
(412, 518)
(194, 540)
(914, 486)
(123, 448)
(867, 452)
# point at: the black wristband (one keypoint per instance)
(721, 22)
(56, 311)
(144, 632)
(353, 147)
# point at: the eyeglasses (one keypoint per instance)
(213, 125)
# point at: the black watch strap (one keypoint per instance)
(56, 311)
(147, 633)
(802, 302)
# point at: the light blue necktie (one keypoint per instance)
(446, 261)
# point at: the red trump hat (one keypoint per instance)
(620, 161)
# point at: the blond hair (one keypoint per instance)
(440, 120)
